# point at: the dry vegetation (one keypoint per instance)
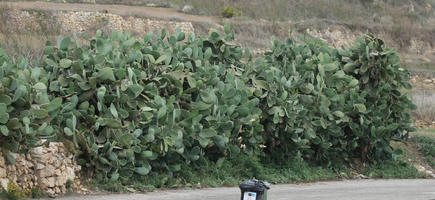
(26, 41)
(400, 19)
(424, 99)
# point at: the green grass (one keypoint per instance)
(393, 169)
(9, 195)
(237, 169)
(428, 131)
(426, 145)
(228, 173)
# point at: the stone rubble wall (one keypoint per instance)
(47, 168)
(83, 21)
(69, 22)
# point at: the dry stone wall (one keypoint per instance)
(69, 22)
(84, 21)
(47, 168)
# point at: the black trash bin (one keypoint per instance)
(254, 190)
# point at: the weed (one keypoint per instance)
(229, 12)
(12, 192)
(236, 168)
(426, 145)
(69, 183)
(228, 172)
(8, 195)
(424, 99)
(393, 169)
(95, 184)
(35, 193)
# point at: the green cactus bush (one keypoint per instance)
(129, 105)
(24, 118)
(329, 105)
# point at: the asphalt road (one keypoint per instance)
(415, 189)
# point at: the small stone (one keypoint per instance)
(2, 173)
(70, 174)
(4, 183)
(16, 156)
(59, 162)
(50, 193)
(187, 9)
(361, 176)
(44, 183)
(39, 166)
(13, 178)
(52, 160)
(60, 181)
(58, 172)
(49, 170)
(51, 182)
(420, 168)
(12, 168)
(57, 190)
(36, 152)
(2, 160)
(30, 164)
(427, 81)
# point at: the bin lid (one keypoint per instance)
(254, 185)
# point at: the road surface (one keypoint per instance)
(415, 189)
